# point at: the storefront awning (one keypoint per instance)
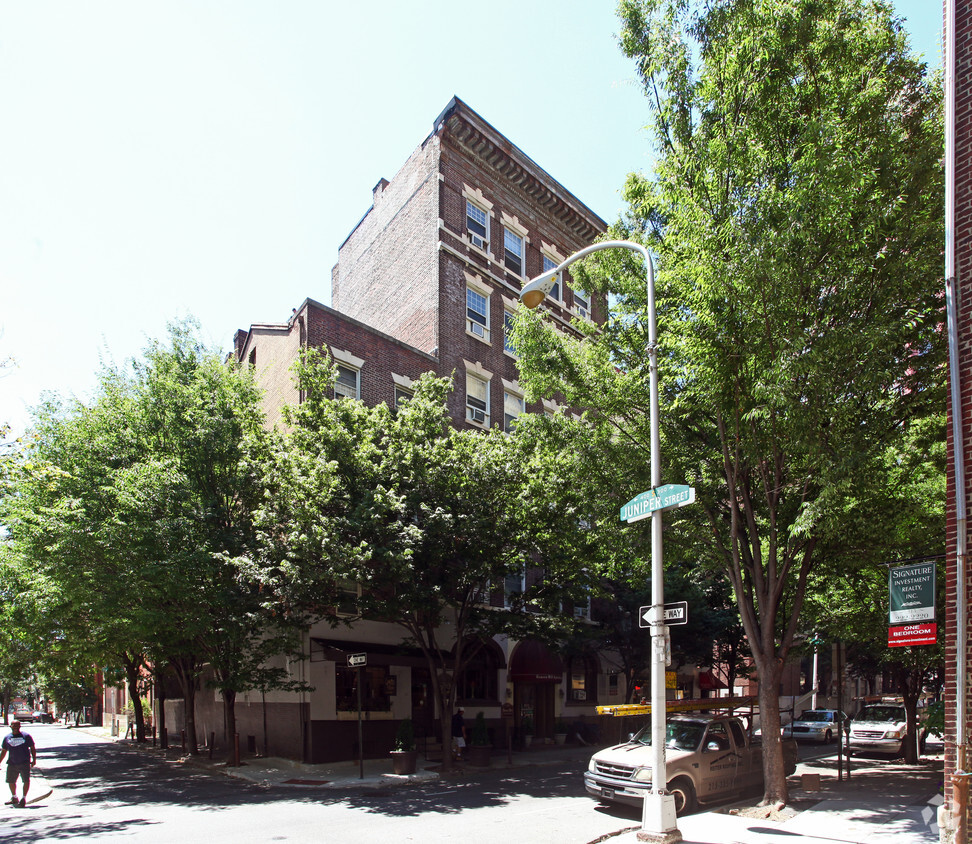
(709, 682)
(533, 662)
(338, 650)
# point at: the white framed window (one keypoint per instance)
(477, 225)
(477, 313)
(555, 291)
(513, 251)
(402, 396)
(348, 382)
(582, 304)
(513, 584)
(512, 407)
(477, 399)
(509, 318)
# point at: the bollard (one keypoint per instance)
(153, 735)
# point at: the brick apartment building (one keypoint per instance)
(428, 280)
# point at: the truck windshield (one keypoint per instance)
(881, 713)
(679, 735)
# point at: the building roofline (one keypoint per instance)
(469, 129)
(481, 137)
(283, 327)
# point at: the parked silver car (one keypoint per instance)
(822, 725)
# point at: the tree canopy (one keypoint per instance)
(795, 215)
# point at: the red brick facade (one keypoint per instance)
(962, 269)
(406, 267)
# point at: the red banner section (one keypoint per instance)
(912, 634)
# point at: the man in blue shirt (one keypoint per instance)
(23, 756)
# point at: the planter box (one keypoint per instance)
(404, 761)
(478, 755)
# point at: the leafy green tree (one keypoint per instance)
(900, 516)
(794, 213)
(427, 520)
(133, 510)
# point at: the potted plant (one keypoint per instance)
(404, 756)
(480, 748)
(526, 727)
(560, 731)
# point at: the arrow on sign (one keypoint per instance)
(676, 613)
(357, 660)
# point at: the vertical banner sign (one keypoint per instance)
(911, 620)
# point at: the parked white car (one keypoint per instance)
(879, 728)
(822, 725)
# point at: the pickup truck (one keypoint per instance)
(706, 757)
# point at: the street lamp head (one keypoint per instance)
(536, 291)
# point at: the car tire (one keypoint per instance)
(828, 737)
(684, 793)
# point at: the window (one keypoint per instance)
(549, 264)
(374, 688)
(477, 222)
(582, 675)
(508, 320)
(477, 314)
(582, 304)
(512, 407)
(348, 593)
(514, 585)
(513, 251)
(477, 399)
(478, 680)
(347, 384)
(402, 396)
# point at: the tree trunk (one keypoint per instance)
(160, 702)
(185, 668)
(910, 685)
(266, 730)
(774, 768)
(132, 666)
(229, 719)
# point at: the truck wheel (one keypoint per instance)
(684, 793)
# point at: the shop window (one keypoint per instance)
(374, 688)
(582, 677)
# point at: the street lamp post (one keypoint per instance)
(658, 816)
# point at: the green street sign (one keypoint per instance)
(666, 497)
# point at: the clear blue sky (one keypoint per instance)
(208, 157)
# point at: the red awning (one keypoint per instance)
(708, 682)
(532, 662)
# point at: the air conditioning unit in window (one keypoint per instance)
(578, 694)
(582, 312)
(477, 241)
(478, 329)
(477, 415)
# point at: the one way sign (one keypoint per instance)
(676, 613)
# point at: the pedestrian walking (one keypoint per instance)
(458, 734)
(22, 757)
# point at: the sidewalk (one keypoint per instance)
(377, 773)
(883, 802)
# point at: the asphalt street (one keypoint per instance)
(105, 791)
